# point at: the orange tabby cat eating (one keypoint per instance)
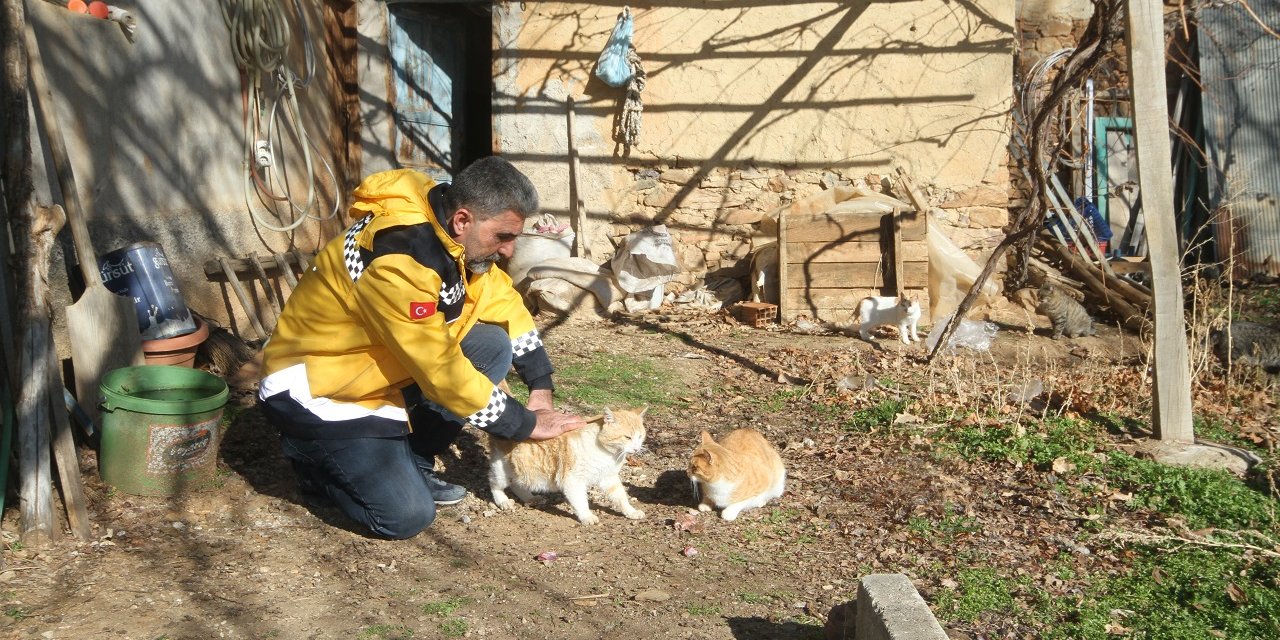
(570, 463)
(742, 471)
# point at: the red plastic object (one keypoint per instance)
(77, 6)
(98, 9)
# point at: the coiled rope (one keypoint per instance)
(260, 36)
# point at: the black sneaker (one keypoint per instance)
(444, 493)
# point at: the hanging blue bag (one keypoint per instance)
(612, 66)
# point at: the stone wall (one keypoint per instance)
(749, 107)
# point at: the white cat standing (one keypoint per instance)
(888, 311)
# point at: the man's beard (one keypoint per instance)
(482, 265)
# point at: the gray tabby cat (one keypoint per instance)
(1248, 343)
(1068, 316)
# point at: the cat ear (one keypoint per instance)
(642, 410)
(608, 415)
(706, 438)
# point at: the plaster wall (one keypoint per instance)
(748, 106)
(373, 68)
(154, 130)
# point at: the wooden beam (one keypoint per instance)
(1172, 380)
(244, 269)
(836, 227)
(820, 275)
(65, 457)
(250, 311)
(912, 251)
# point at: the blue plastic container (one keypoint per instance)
(141, 271)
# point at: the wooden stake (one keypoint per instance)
(65, 456)
(1172, 379)
(576, 207)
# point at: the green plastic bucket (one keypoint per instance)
(160, 430)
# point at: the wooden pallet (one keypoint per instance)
(264, 276)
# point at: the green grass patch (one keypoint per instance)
(952, 524)
(454, 628)
(980, 591)
(1038, 442)
(879, 416)
(702, 610)
(386, 632)
(1175, 595)
(753, 598)
(444, 607)
(1204, 497)
(616, 381)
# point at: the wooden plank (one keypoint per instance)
(267, 289)
(282, 263)
(895, 232)
(65, 457)
(1171, 378)
(249, 310)
(1121, 267)
(213, 271)
(824, 227)
(850, 275)
(578, 209)
(802, 252)
(917, 200)
(784, 270)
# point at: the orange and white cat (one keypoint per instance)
(570, 463)
(741, 471)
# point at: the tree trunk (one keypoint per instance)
(36, 490)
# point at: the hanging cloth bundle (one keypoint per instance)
(619, 66)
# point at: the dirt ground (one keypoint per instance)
(248, 560)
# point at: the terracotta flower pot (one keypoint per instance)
(178, 351)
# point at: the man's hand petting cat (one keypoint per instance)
(539, 399)
(552, 423)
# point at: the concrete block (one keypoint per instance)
(890, 608)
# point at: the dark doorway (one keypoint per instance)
(442, 63)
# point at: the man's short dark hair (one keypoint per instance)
(490, 186)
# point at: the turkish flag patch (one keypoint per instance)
(420, 310)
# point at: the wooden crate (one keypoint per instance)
(827, 262)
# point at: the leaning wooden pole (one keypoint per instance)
(34, 466)
(1171, 410)
(33, 239)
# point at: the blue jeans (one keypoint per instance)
(378, 482)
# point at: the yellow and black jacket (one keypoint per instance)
(385, 306)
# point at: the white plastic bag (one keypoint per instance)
(547, 240)
(612, 66)
(971, 334)
(951, 274)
